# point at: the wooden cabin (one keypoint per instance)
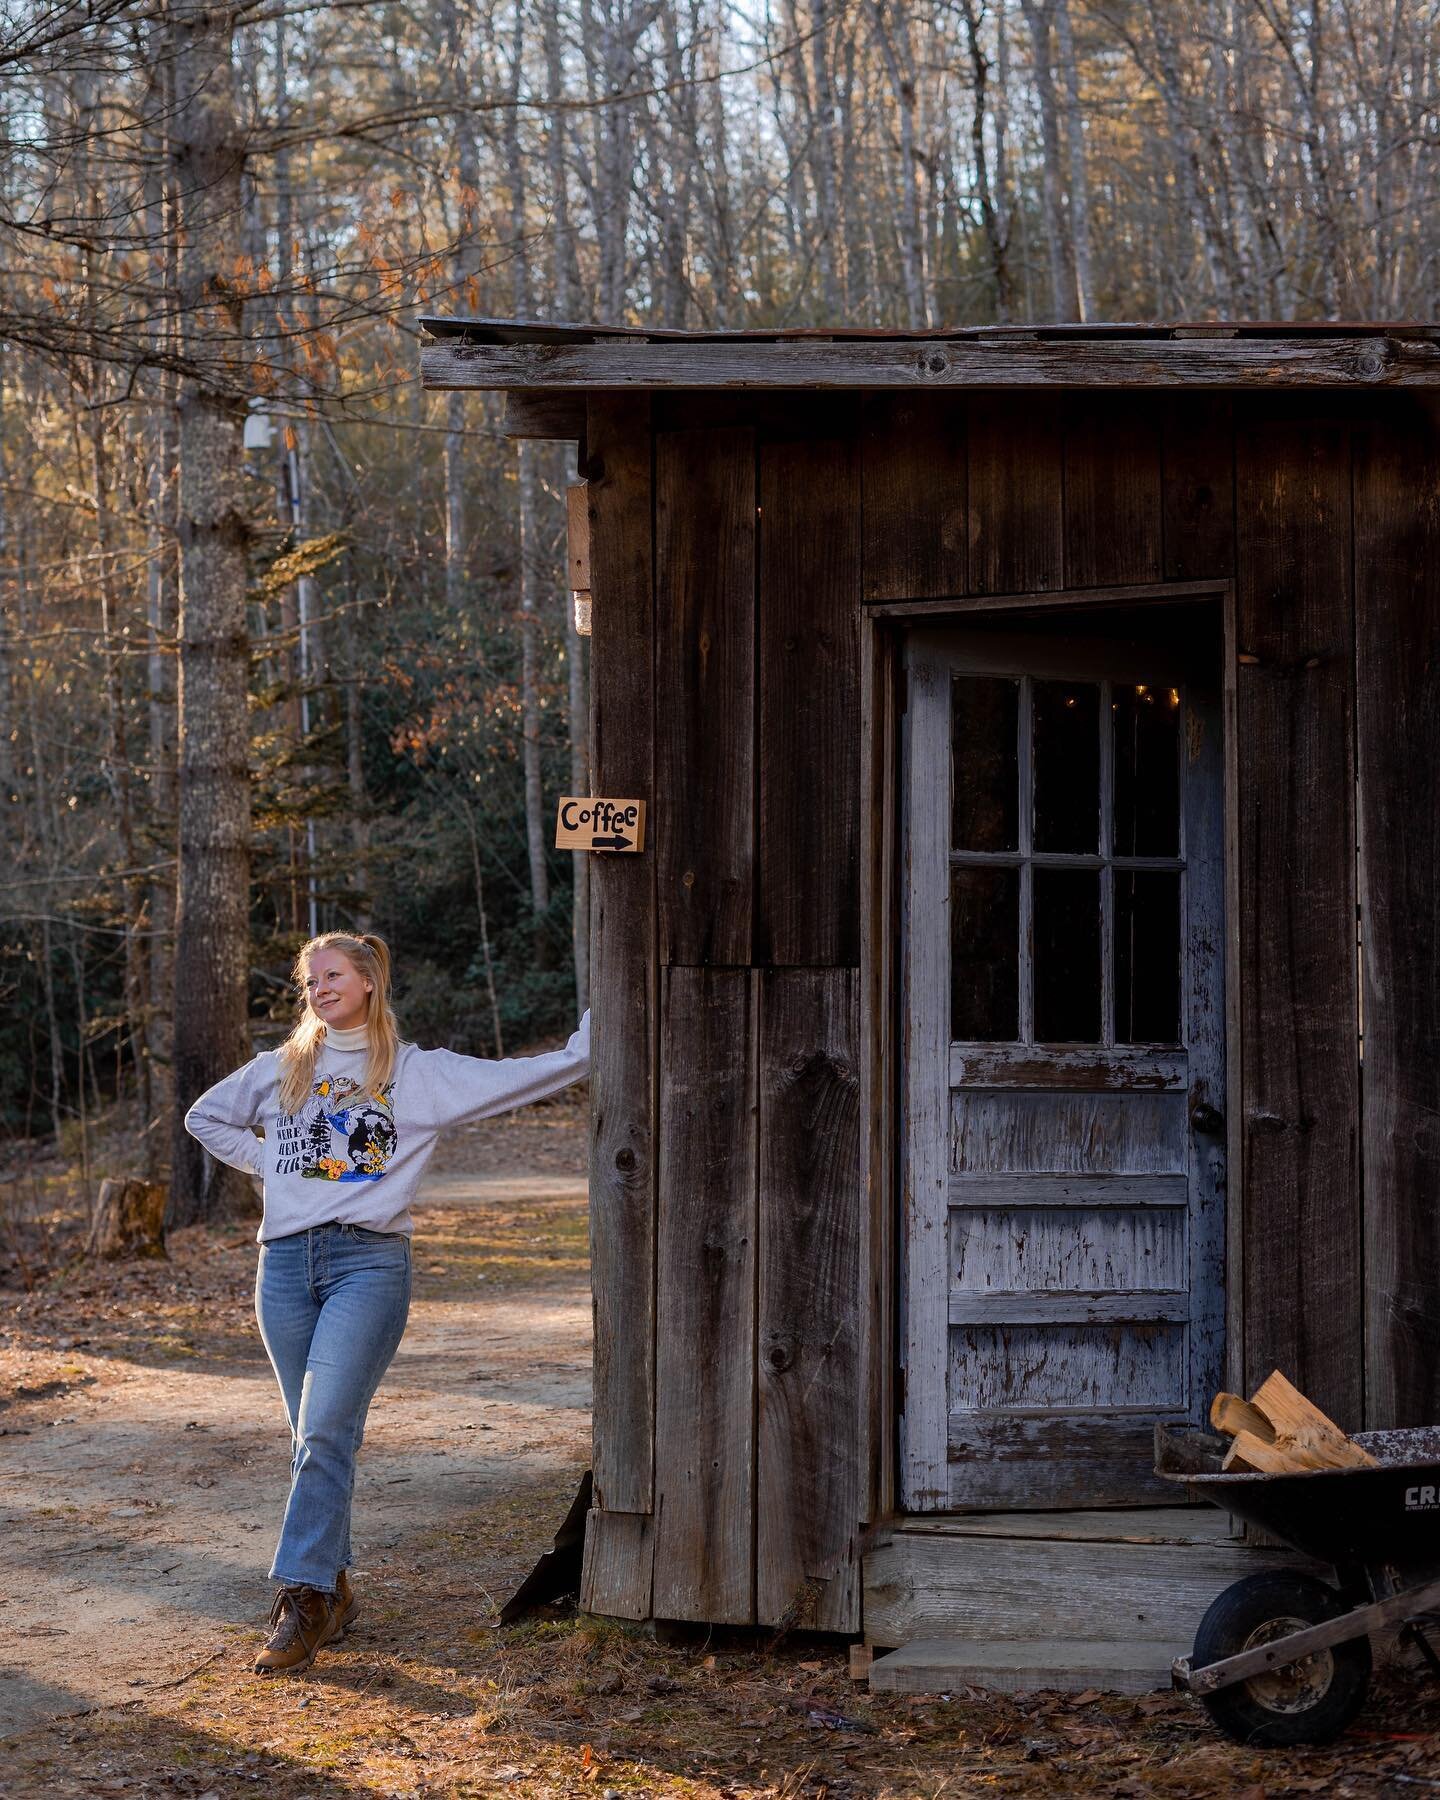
(1024, 1018)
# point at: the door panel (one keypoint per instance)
(1063, 1067)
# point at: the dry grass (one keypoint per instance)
(423, 1701)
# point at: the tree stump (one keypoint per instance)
(129, 1220)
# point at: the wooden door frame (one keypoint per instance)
(882, 707)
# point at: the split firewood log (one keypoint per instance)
(1279, 1432)
(1232, 1415)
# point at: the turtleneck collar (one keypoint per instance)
(358, 1038)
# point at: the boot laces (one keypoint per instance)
(287, 1617)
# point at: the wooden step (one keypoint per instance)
(1108, 1579)
(1069, 1666)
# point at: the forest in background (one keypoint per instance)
(285, 642)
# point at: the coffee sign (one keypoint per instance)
(595, 824)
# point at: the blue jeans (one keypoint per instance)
(332, 1304)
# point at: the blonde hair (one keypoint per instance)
(298, 1054)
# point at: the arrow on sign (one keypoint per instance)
(611, 843)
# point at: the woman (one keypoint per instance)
(350, 1115)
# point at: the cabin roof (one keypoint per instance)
(526, 353)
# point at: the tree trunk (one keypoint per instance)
(1079, 165)
(468, 814)
(565, 283)
(990, 196)
(360, 880)
(467, 270)
(9, 727)
(117, 774)
(212, 951)
(900, 67)
(530, 553)
(1062, 287)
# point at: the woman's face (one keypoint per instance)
(335, 990)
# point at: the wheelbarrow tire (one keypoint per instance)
(1311, 1705)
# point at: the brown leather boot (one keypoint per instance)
(301, 1620)
(346, 1605)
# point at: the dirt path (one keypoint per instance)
(140, 1494)
(142, 1469)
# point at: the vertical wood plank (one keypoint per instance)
(1016, 490)
(925, 1004)
(915, 510)
(1112, 503)
(1205, 937)
(577, 535)
(1198, 451)
(705, 659)
(813, 1286)
(1397, 601)
(622, 900)
(619, 1564)
(1300, 1076)
(879, 972)
(809, 726)
(705, 1358)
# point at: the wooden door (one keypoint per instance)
(1063, 1067)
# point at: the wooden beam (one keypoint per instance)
(1057, 599)
(1260, 363)
(622, 978)
(543, 413)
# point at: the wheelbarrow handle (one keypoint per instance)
(1278, 1654)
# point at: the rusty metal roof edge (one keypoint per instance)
(541, 331)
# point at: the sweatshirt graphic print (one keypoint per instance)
(343, 1132)
(351, 1156)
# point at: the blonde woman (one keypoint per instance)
(350, 1115)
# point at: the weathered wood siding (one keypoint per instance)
(1295, 637)
(741, 1268)
(1397, 570)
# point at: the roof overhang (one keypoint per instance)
(520, 354)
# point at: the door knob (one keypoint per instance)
(1207, 1120)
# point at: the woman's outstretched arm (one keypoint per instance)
(454, 1089)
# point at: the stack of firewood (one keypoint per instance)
(1278, 1432)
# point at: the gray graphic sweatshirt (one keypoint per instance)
(357, 1157)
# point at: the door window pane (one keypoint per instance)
(1147, 956)
(1067, 956)
(1067, 766)
(985, 763)
(985, 955)
(1147, 770)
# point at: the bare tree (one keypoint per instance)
(212, 945)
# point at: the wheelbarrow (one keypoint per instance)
(1283, 1657)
